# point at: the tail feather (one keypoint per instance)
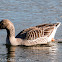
(57, 24)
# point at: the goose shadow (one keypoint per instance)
(32, 53)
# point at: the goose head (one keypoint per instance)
(6, 24)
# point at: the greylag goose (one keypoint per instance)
(40, 34)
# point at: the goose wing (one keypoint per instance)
(36, 31)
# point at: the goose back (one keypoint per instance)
(36, 32)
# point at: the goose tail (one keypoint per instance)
(57, 24)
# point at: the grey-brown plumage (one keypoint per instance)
(36, 32)
(39, 34)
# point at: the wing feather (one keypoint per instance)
(36, 32)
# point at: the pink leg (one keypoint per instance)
(52, 39)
